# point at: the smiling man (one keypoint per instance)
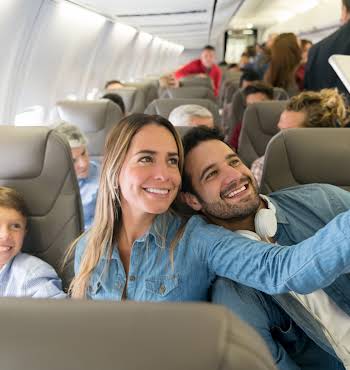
(218, 185)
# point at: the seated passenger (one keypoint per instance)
(247, 78)
(326, 108)
(113, 85)
(191, 115)
(87, 171)
(254, 93)
(139, 249)
(221, 188)
(21, 275)
(205, 66)
(117, 99)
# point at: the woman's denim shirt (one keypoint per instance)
(205, 251)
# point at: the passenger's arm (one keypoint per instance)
(305, 267)
(43, 282)
(186, 70)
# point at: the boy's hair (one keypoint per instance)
(209, 47)
(10, 198)
(259, 87)
(117, 99)
(191, 139)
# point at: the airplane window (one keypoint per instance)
(33, 115)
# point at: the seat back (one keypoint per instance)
(134, 98)
(307, 155)
(163, 107)
(82, 335)
(150, 89)
(94, 118)
(196, 81)
(196, 92)
(37, 162)
(258, 127)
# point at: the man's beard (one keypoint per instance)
(225, 211)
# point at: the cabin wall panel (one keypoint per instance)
(16, 21)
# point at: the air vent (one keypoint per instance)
(161, 14)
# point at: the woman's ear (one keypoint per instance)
(191, 200)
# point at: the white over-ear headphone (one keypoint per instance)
(265, 222)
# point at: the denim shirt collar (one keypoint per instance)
(280, 215)
(153, 234)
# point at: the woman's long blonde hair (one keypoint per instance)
(108, 212)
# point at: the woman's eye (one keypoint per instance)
(174, 161)
(145, 159)
(16, 226)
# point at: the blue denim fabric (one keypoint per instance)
(88, 193)
(205, 251)
(301, 211)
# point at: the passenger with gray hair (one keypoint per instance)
(191, 115)
(87, 171)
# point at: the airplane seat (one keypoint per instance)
(94, 118)
(163, 107)
(196, 92)
(37, 162)
(259, 125)
(307, 155)
(238, 105)
(90, 335)
(134, 99)
(150, 89)
(196, 81)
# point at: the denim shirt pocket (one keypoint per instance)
(163, 287)
(102, 288)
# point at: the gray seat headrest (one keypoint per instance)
(134, 98)
(196, 81)
(94, 118)
(37, 162)
(196, 92)
(83, 335)
(307, 155)
(258, 127)
(163, 107)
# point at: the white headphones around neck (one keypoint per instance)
(265, 222)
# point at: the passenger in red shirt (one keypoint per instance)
(203, 66)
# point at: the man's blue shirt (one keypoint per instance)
(88, 193)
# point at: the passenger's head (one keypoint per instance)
(285, 59)
(117, 99)
(326, 108)
(141, 169)
(305, 47)
(78, 144)
(219, 185)
(13, 223)
(113, 85)
(191, 115)
(233, 67)
(247, 78)
(243, 60)
(257, 92)
(208, 56)
(345, 11)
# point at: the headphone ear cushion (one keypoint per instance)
(265, 223)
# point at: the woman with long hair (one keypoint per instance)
(284, 62)
(139, 248)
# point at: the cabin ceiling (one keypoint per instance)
(263, 14)
(191, 23)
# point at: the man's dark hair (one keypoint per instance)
(209, 47)
(112, 82)
(190, 140)
(259, 87)
(117, 99)
(346, 4)
(248, 75)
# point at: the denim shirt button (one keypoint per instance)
(132, 278)
(162, 289)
